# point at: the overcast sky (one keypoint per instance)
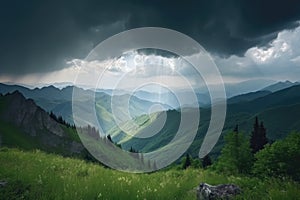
(45, 41)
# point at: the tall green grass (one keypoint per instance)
(37, 175)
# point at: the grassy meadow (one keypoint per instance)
(38, 175)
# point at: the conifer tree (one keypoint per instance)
(236, 154)
(206, 161)
(258, 138)
(109, 138)
(187, 162)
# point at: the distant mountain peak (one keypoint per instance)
(280, 86)
(15, 93)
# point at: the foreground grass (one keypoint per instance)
(37, 175)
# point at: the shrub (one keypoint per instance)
(282, 158)
(236, 156)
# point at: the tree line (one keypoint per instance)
(94, 133)
(256, 155)
(241, 154)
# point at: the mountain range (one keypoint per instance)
(24, 117)
(280, 86)
(59, 101)
(279, 111)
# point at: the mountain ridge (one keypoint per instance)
(280, 86)
(22, 118)
(241, 110)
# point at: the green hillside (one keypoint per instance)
(59, 101)
(280, 112)
(286, 118)
(247, 97)
(12, 136)
(25, 125)
(36, 175)
(149, 143)
(29, 129)
(283, 97)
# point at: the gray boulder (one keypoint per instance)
(223, 191)
(3, 183)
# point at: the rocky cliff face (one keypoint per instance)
(36, 123)
(27, 115)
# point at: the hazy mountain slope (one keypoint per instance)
(280, 111)
(46, 97)
(25, 125)
(247, 97)
(279, 121)
(10, 88)
(234, 89)
(59, 101)
(150, 143)
(165, 134)
(279, 86)
(283, 97)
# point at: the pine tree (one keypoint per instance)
(236, 129)
(236, 155)
(258, 138)
(109, 138)
(187, 162)
(263, 133)
(206, 161)
(53, 116)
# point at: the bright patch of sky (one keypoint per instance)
(280, 60)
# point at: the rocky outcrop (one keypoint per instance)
(3, 183)
(35, 122)
(223, 191)
(27, 115)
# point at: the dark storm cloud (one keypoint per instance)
(39, 36)
(225, 27)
